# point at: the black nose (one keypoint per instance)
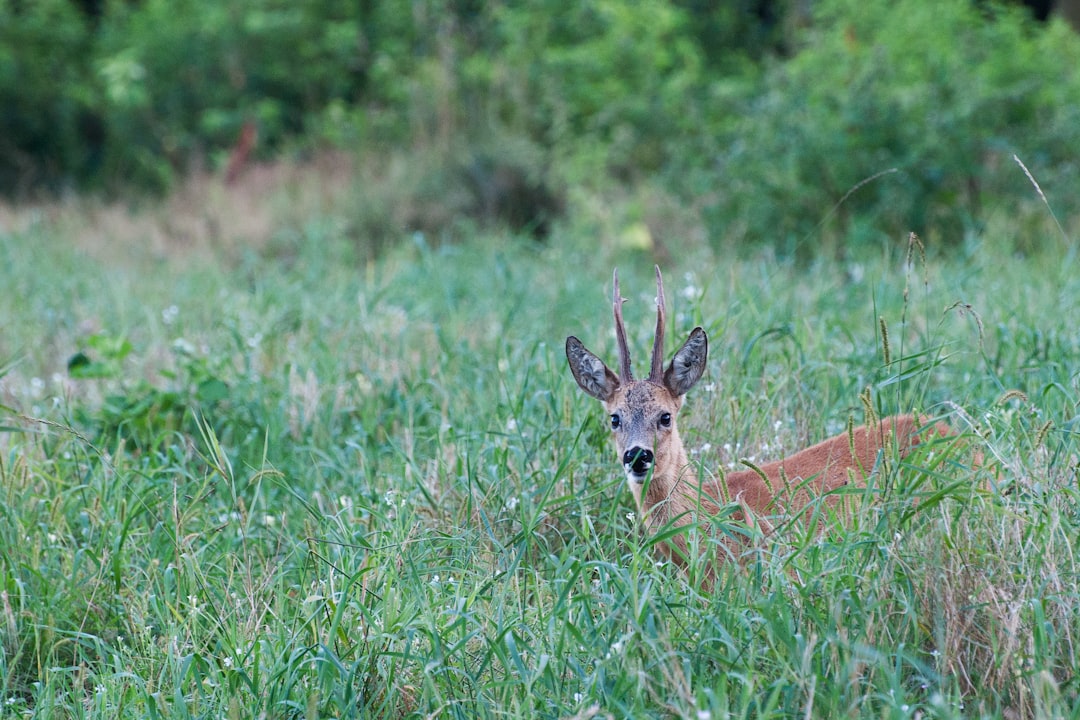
(638, 459)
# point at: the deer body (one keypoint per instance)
(664, 482)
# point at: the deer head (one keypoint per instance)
(643, 411)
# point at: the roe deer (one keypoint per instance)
(643, 419)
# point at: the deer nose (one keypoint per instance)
(638, 459)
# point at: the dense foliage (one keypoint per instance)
(937, 96)
(140, 90)
(761, 117)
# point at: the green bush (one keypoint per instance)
(603, 78)
(45, 94)
(181, 78)
(943, 93)
(139, 93)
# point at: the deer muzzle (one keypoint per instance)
(638, 461)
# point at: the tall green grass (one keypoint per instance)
(294, 483)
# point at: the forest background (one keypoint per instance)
(750, 120)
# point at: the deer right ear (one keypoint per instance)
(592, 375)
(688, 364)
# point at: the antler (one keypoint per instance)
(656, 372)
(620, 334)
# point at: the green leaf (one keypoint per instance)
(212, 391)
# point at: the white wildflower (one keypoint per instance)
(363, 384)
(181, 346)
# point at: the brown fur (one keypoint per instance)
(790, 486)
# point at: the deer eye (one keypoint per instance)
(616, 421)
(665, 420)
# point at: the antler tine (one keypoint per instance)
(620, 333)
(656, 372)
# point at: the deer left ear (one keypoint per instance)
(688, 364)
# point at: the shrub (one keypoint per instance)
(45, 94)
(605, 82)
(181, 78)
(943, 93)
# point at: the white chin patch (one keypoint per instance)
(632, 478)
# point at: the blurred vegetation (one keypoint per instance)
(766, 118)
(942, 93)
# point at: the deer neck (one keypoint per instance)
(673, 489)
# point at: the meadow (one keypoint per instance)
(298, 479)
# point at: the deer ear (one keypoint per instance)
(592, 375)
(688, 364)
